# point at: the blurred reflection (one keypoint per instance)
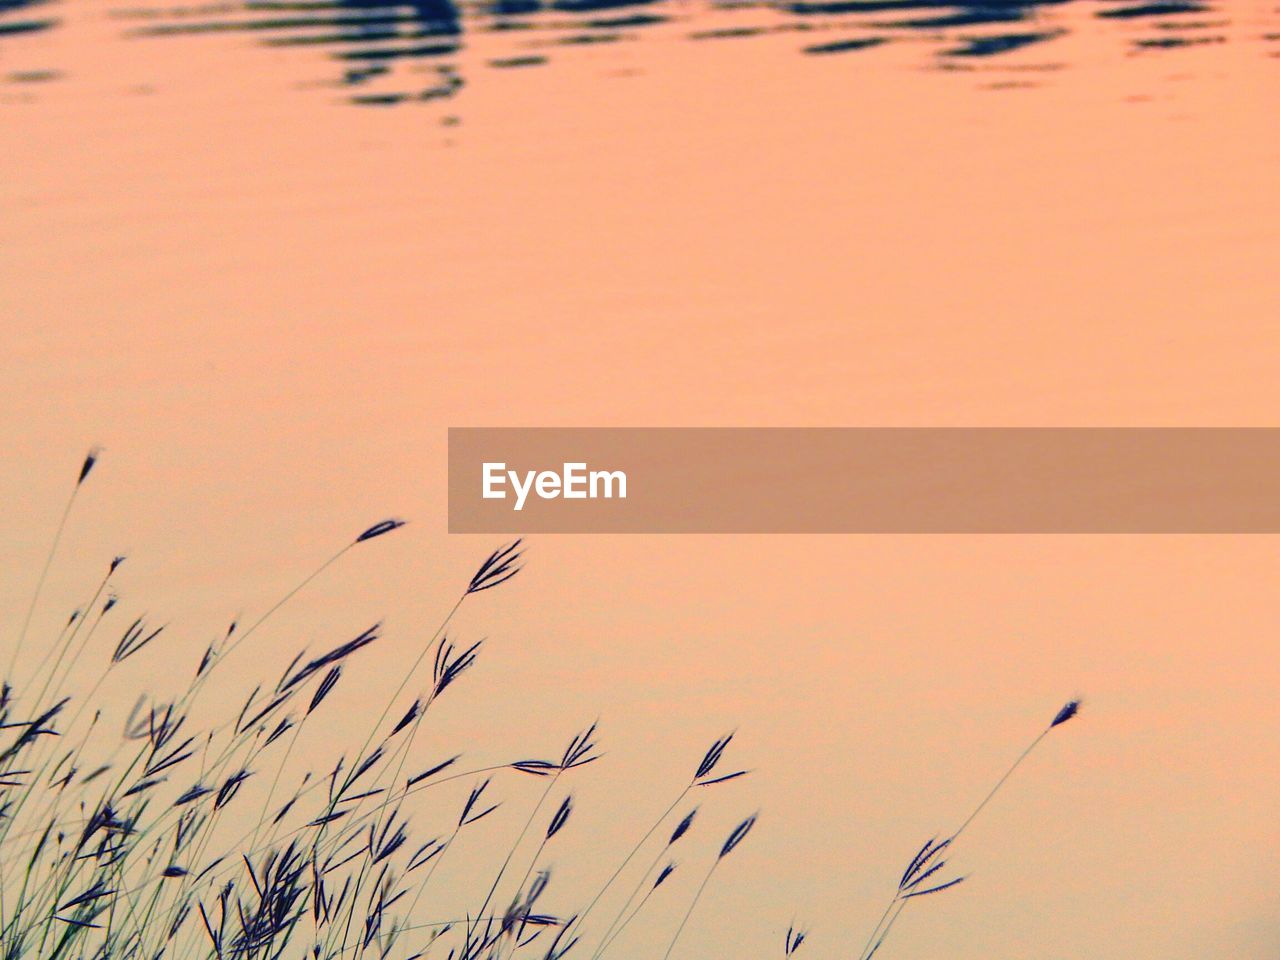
(386, 53)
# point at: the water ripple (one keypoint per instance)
(390, 53)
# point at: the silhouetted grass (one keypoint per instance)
(150, 843)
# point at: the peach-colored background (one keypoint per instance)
(269, 308)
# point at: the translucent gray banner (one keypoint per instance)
(864, 480)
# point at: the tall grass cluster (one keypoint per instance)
(192, 840)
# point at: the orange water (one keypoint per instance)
(267, 302)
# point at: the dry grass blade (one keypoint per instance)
(129, 841)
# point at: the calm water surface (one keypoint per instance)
(266, 252)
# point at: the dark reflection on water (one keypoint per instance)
(389, 52)
(24, 16)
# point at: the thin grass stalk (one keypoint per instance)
(1001, 782)
(519, 839)
(905, 894)
(692, 906)
(238, 640)
(402, 749)
(431, 872)
(391, 701)
(41, 750)
(629, 857)
(58, 646)
(871, 940)
(901, 906)
(533, 862)
(40, 582)
(609, 941)
(59, 681)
